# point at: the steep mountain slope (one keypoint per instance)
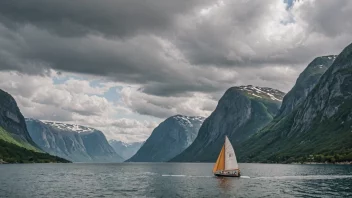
(125, 150)
(16, 146)
(98, 147)
(73, 142)
(169, 139)
(241, 112)
(12, 121)
(15, 151)
(12, 153)
(305, 83)
(318, 129)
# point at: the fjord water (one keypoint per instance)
(173, 180)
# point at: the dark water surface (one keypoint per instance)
(173, 180)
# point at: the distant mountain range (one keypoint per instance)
(73, 142)
(240, 113)
(125, 150)
(169, 139)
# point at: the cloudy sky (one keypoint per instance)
(123, 66)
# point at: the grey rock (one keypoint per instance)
(241, 112)
(73, 142)
(320, 125)
(305, 83)
(125, 150)
(12, 120)
(169, 139)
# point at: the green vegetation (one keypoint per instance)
(325, 139)
(261, 116)
(5, 136)
(15, 151)
(12, 153)
(319, 129)
(262, 112)
(328, 141)
(316, 158)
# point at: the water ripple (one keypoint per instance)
(172, 180)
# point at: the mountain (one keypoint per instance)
(125, 150)
(305, 83)
(12, 121)
(16, 145)
(241, 112)
(72, 142)
(319, 129)
(169, 139)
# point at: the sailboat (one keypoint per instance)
(226, 164)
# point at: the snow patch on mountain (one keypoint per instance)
(332, 57)
(262, 92)
(69, 127)
(186, 121)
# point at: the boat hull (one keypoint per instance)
(227, 175)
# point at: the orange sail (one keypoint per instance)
(220, 163)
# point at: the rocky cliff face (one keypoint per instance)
(11, 118)
(72, 142)
(305, 83)
(98, 147)
(16, 145)
(322, 124)
(125, 150)
(241, 112)
(169, 139)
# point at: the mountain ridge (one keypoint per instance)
(16, 145)
(305, 83)
(318, 129)
(70, 141)
(240, 112)
(125, 150)
(168, 139)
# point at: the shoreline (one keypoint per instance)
(337, 163)
(295, 163)
(3, 162)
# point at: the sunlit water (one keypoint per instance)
(173, 180)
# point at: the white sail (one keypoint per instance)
(230, 156)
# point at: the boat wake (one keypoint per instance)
(296, 177)
(184, 176)
(244, 177)
(307, 177)
(150, 173)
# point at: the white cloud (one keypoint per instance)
(196, 104)
(74, 101)
(127, 130)
(180, 63)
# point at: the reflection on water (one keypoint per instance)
(227, 183)
(224, 183)
(173, 180)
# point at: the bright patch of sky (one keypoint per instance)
(117, 121)
(289, 3)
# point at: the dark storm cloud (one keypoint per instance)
(143, 59)
(109, 17)
(33, 50)
(168, 47)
